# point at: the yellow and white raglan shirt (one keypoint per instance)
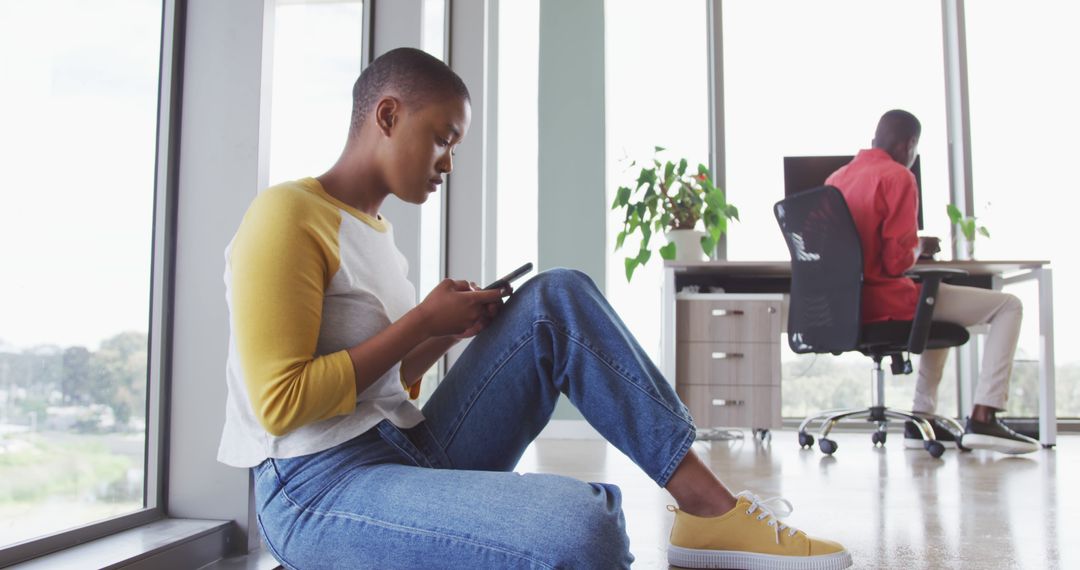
(307, 277)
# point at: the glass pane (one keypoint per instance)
(518, 135)
(317, 57)
(657, 95)
(799, 85)
(800, 78)
(78, 105)
(1024, 91)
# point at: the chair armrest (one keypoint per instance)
(924, 311)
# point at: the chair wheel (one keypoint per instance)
(934, 448)
(806, 441)
(827, 446)
(878, 437)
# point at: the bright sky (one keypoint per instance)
(78, 104)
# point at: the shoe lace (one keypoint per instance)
(771, 509)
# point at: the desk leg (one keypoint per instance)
(1047, 396)
(967, 367)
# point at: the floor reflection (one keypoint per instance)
(893, 508)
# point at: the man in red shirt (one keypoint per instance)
(881, 193)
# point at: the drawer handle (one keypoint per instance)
(719, 402)
(727, 313)
(723, 355)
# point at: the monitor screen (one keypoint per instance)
(806, 172)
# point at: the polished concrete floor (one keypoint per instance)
(891, 507)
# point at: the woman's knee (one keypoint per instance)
(564, 278)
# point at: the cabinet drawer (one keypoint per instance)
(728, 363)
(733, 321)
(733, 406)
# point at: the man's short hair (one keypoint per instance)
(897, 126)
(411, 74)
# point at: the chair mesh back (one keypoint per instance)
(826, 270)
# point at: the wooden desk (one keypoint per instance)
(756, 277)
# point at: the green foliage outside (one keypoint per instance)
(40, 469)
(44, 377)
(72, 434)
(812, 383)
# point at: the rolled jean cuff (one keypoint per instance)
(677, 458)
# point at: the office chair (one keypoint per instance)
(825, 311)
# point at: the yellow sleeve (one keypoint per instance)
(281, 262)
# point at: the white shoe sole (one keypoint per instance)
(694, 558)
(1010, 446)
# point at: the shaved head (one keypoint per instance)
(412, 75)
(898, 134)
(896, 127)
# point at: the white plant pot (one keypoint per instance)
(687, 244)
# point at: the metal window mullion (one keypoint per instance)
(957, 115)
(715, 70)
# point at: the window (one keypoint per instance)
(317, 57)
(1023, 115)
(806, 78)
(517, 173)
(812, 79)
(79, 109)
(657, 95)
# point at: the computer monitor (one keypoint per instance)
(806, 172)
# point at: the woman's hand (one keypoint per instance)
(459, 308)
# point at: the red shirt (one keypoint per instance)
(884, 201)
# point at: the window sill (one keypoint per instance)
(167, 543)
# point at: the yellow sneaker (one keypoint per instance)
(750, 537)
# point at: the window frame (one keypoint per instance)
(163, 249)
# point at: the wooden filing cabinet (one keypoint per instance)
(727, 358)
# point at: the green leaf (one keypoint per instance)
(984, 231)
(622, 197)
(629, 264)
(715, 199)
(643, 256)
(708, 244)
(668, 251)
(647, 176)
(659, 149)
(669, 173)
(968, 228)
(619, 240)
(732, 212)
(682, 167)
(702, 169)
(954, 213)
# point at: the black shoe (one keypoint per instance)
(996, 436)
(913, 437)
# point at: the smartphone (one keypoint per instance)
(505, 280)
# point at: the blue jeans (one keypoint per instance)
(441, 494)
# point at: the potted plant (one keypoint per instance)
(967, 227)
(690, 210)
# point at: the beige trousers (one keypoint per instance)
(970, 306)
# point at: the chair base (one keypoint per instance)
(875, 414)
